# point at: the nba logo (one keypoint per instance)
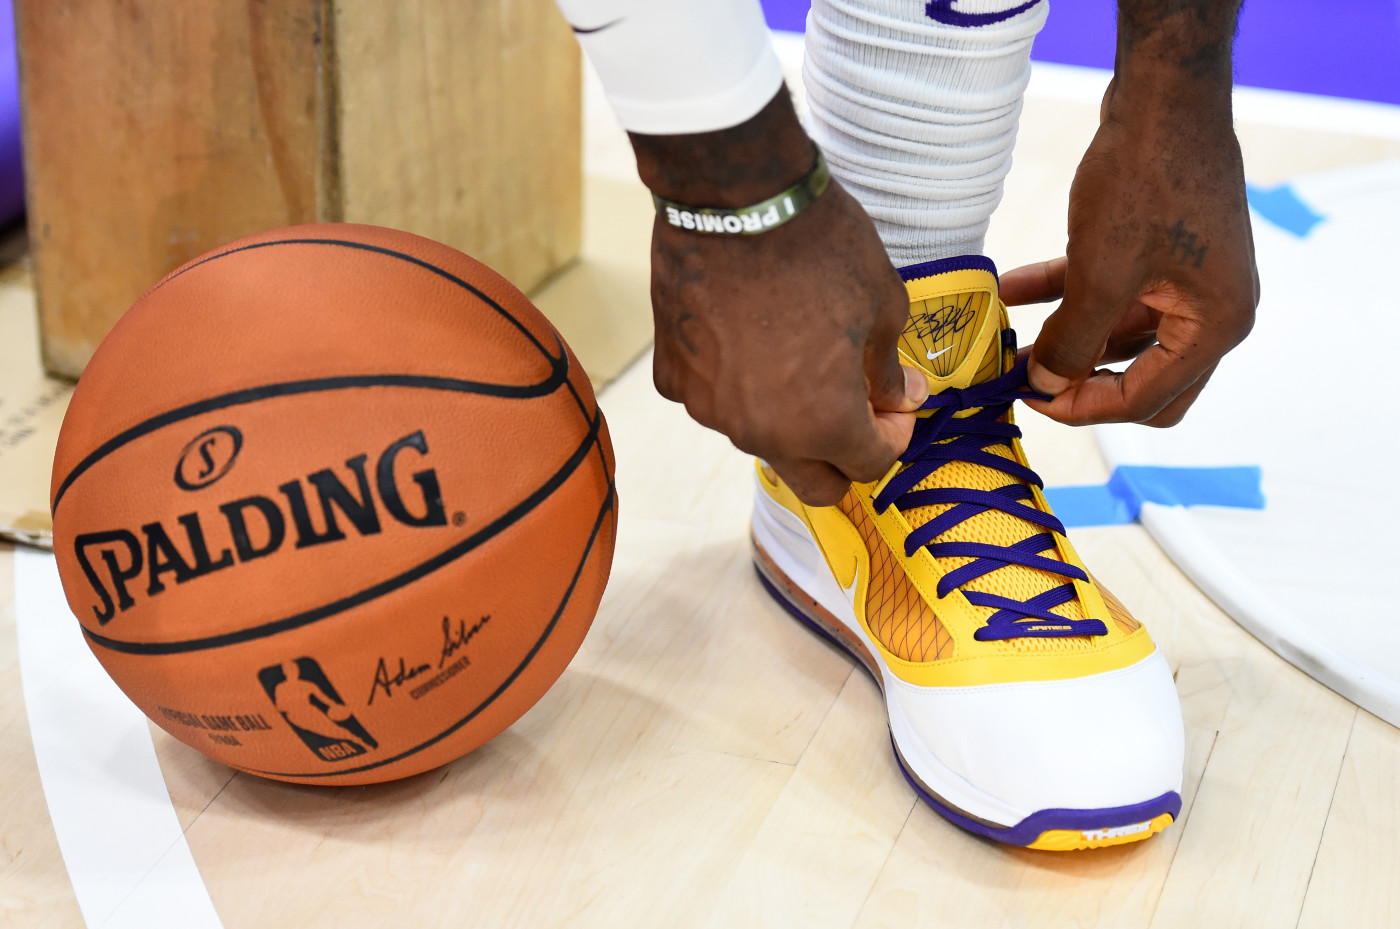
(309, 703)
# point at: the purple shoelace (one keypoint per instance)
(943, 438)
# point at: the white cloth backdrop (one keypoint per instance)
(1311, 398)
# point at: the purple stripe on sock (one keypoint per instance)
(941, 11)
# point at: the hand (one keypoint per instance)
(783, 341)
(1160, 262)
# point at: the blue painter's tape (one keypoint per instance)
(1283, 207)
(1130, 486)
(1089, 506)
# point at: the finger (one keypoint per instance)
(816, 483)
(1156, 378)
(1034, 283)
(1175, 411)
(1162, 383)
(1139, 319)
(860, 442)
(892, 386)
(1128, 347)
(895, 429)
(881, 440)
(1073, 338)
(1172, 413)
(895, 387)
(667, 372)
(912, 391)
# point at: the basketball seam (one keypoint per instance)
(587, 417)
(365, 247)
(558, 376)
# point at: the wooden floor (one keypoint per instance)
(705, 761)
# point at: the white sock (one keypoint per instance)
(917, 117)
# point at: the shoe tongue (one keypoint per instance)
(955, 334)
(954, 328)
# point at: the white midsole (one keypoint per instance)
(785, 538)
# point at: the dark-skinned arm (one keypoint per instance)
(1159, 267)
(783, 341)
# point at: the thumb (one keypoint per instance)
(902, 389)
(1074, 337)
(1063, 354)
(1040, 283)
(894, 419)
(894, 388)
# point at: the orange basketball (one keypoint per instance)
(334, 504)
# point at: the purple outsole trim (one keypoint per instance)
(1038, 823)
(1033, 826)
(944, 265)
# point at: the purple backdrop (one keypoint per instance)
(11, 171)
(1342, 48)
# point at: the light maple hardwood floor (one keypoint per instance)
(705, 761)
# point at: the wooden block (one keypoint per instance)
(155, 131)
(31, 410)
(601, 304)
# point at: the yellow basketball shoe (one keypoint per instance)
(1025, 703)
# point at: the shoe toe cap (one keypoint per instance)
(1107, 740)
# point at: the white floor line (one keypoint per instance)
(127, 857)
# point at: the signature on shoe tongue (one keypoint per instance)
(947, 335)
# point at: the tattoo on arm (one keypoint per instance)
(1184, 247)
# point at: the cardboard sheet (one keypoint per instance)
(31, 410)
(601, 304)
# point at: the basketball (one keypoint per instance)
(334, 504)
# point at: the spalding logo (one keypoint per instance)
(208, 457)
(256, 526)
